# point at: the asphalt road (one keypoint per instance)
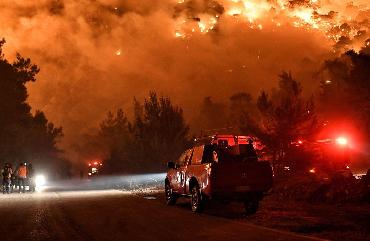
(117, 215)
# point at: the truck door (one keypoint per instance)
(181, 171)
(194, 168)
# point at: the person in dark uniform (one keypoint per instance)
(7, 175)
(31, 177)
(248, 151)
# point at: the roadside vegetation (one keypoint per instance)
(157, 134)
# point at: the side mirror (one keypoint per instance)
(171, 165)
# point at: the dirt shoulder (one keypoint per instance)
(349, 221)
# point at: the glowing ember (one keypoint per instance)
(118, 52)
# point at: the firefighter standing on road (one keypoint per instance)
(7, 174)
(14, 181)
(250, 151)
(22, 176)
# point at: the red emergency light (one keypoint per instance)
(341, 141)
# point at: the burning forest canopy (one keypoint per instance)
(97, 55)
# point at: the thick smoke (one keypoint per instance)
(97, 55)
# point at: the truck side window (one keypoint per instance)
(190, 153)
(208, 154)
(197, 155)
(181, 160)
(185, 158)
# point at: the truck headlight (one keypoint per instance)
(40, 180)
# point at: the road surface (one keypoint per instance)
(117, 215)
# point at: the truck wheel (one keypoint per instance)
(251, 206)
(170, 195)
(196, 200)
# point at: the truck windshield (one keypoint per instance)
(242, 152)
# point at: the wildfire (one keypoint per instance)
(310, 15)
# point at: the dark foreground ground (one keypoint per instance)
(99, 209)
(350, 221)
(119, 215)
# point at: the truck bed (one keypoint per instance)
(241, 177)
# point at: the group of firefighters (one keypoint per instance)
(22, 176)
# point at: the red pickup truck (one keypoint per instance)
(227, 169)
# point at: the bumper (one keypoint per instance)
(239, 193)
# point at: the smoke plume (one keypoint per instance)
(97, 55)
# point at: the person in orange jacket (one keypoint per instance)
(22, 176)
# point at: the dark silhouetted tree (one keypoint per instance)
(285, 117)
(157, 134)
(345, 89)
(116, 137)
(23, 135)
(164, 132)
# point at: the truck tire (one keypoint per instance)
(251, 206)
(170, 195)
(196, 200)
